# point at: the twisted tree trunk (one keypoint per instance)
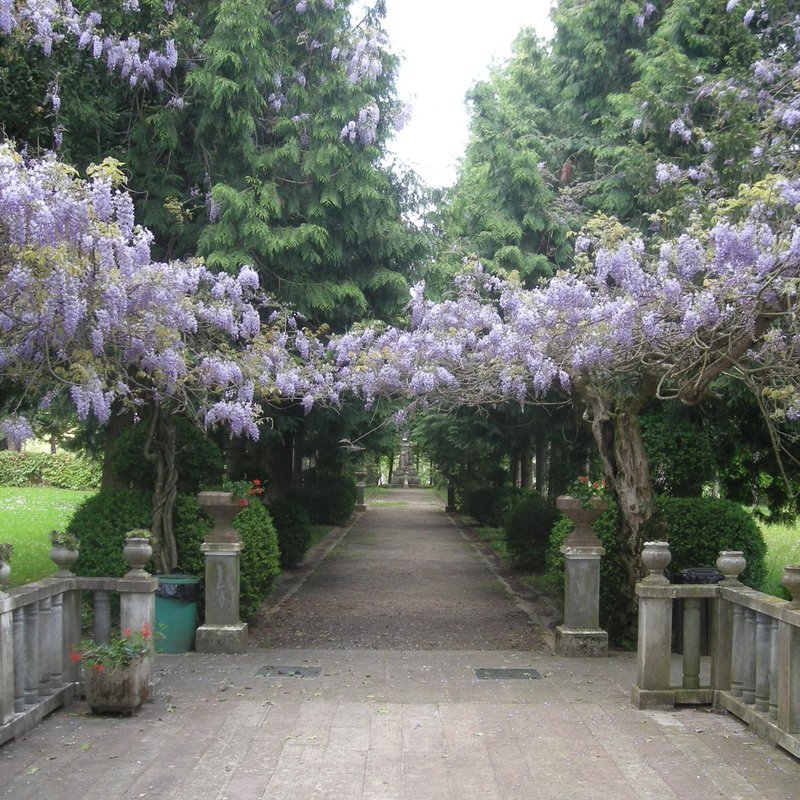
(615, 428)
(160, 449)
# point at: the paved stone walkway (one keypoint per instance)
(393, 724)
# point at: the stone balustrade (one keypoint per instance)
(40, 623)
(753, 641)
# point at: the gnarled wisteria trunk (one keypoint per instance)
(618, 436)
(160, 449)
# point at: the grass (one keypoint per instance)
(495, 538)
(27, 516)
(783, 547)
(318, 533)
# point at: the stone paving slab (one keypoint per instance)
(408, 723)
(395, 725)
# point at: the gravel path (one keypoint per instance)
(402, 578)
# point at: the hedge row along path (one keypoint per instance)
(410, 723)
(404, 577)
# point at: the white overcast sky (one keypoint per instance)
(447, 46)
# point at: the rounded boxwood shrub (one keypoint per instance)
(527, 526)
(294, 530)
(100, 522)
(699, 527)
(260, 557)
(486, 503)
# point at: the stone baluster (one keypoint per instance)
(71, 613)
(31, 653)
(7, 705)
(692, 617)
(749, 672)
(773, 669)
(56, 644)
(763, 659)
(45, 640)
(20, 660)
(738, 652)
(102, 616)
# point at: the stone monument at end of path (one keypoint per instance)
(405, 475)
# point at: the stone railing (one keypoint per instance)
(752, 640)
(39, 625)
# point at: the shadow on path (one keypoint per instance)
(402, 578)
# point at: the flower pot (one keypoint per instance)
(223, 507)
(582, 518)
(120, 690)
(137, 552)
(63, 558)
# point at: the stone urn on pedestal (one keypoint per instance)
(581, 635)
(64, 552)
(5, 567)
(791, 582)
(223, 631)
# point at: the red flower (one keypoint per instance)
(583, 479)
(75, 656)
(146, 631)
(256, 482)
(126, 632)
(98, 668)
(242, 501)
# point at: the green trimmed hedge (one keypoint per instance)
(294, 530)
(260, 558)
(699, 527)
(62, 470)
(527, 526)
(102, 520)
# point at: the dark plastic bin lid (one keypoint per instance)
(179, 587)
(699, 575)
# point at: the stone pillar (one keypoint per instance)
(653, 654)
(450, 508)
(581, 635)
(730, 563)
(223, 631)
(738, 652)
(361, 476)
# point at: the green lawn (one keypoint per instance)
(783, 547)
(26, 518)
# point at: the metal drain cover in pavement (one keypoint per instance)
(293, 672)
(506, 674)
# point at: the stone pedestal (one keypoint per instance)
(223, 631)
(581, 635)
(361, 504)
(450, 508)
